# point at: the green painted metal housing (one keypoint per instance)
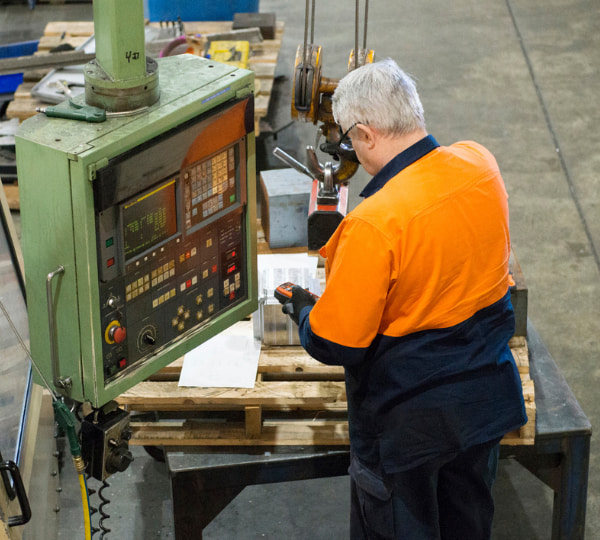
(120, 78)
(59, 162)
(119, 31)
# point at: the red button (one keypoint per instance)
(188, 283)
(119, 334)
(110, 262)
(214, 268)
(232, 295)
(122, 363)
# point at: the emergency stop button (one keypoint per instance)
(115, 333)
(119, 333)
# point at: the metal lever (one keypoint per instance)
(292, 162)
(63, 383)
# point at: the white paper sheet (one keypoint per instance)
(299, 268)
(228, 360)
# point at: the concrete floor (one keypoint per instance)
(522, 78)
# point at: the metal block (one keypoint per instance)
(272, 326)
(264, 21)
(284, 210)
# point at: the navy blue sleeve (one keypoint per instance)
(326, 351)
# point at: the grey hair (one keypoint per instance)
(380, 95)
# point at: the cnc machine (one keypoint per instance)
(138, 224)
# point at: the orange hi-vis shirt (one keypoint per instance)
(426, 251)
(417, 309)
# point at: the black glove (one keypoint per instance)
(300, 299)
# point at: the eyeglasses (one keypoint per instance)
(344, 135)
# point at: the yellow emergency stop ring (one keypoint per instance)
(110, 326)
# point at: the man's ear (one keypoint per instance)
(368, 135)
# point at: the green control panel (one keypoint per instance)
(149, 219)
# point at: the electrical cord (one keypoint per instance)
(85, 501)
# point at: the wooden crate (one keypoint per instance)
(295, 401)
(262, 60)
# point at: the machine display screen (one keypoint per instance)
(148, 219)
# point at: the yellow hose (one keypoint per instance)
(86, 507)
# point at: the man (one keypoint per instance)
(417, 309)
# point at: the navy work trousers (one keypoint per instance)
(449, 498)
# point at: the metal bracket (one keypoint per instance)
(93, 167)
(19, 489)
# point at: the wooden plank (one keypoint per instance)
(12, 195)
(293, 360)
(263, 86)
(24, 90)
(47, 43)
(262, 69)
(77, 28)
(286, 396)
(280, 395)
(204, 27)
(273, 360)
(317, 433)
(518, 347)
(261, 107)
(22, 108)
(259, 54)
(253, 423)
(273, 432)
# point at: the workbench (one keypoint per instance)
(205, 479)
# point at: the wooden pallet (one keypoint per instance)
(295, 401)
(262, 60)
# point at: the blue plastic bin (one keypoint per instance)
(9, 83)
(197, 10)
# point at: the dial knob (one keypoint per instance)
(118, 459)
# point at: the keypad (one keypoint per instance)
(210, 186)
(157, 277)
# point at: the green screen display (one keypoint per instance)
(149, 219)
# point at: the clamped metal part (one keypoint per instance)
(312, 102)
(327, 207)
(312, 99)
(328, 201)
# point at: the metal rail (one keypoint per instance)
(19, 64)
